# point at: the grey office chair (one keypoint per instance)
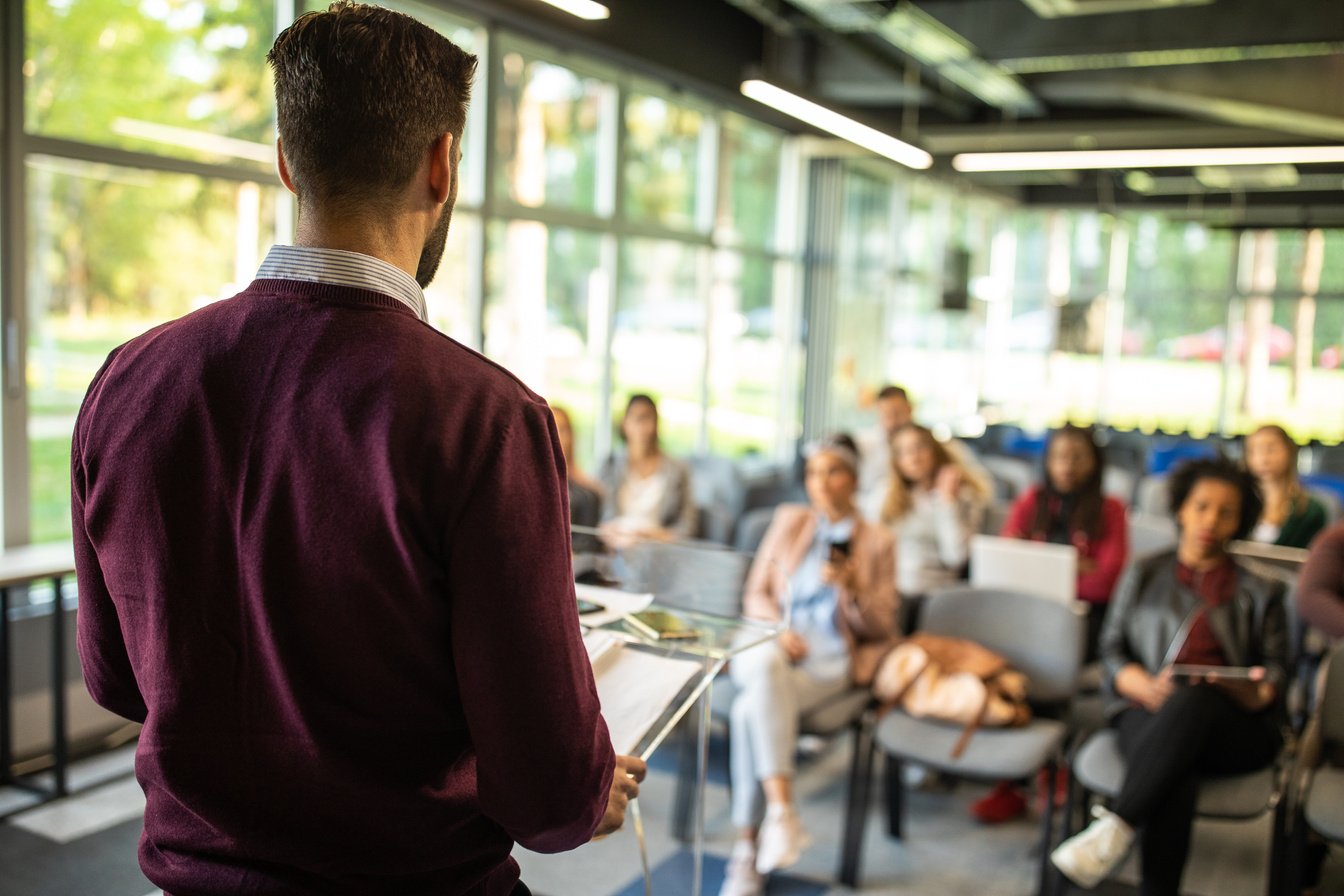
(1041, 637)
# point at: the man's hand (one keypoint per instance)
(624, 787)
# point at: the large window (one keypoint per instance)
(552, 139)
(610, 236)
(658, 342)
(172, 77)
(546, 316)
(668, 161)
(106, 259)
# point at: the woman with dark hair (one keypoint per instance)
(1291, 516)
(1194, 654)
(648, 493)
(1068, 507)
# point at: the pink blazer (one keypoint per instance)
(865, 617)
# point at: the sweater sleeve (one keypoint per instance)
(106, 663)
(1320, 588)
(1109, 553)
(544, 760)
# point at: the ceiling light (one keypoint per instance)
(584, 9)
(1148, 158)
(833, 122)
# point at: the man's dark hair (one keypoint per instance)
(892, 392)
(1223, 469)
(361, 94)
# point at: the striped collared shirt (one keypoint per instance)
(341, 268)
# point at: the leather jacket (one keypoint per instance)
(1150, 606)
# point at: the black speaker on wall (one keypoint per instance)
(956, 279)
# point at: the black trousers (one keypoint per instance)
(520, 889)
(1200, 731)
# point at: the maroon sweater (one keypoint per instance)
(323, 555)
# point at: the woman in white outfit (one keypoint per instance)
(840, 573)
(934, 507)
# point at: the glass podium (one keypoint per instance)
(693, 591)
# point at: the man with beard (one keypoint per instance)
(323, 550)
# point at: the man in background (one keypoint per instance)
(323, 550)
(894, 410)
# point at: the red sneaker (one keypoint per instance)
(1004, 803)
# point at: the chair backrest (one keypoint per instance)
(1149, 534)
(716, 482)
(699, 577)
(1332, 698)
(751, 528)
(1012, 475)
(1151, 496)
(1334, 507)
(996, 514)
(1041, 637)
(1119, 483)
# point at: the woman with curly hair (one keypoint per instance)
(1194, 607)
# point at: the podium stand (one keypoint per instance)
(699, 585)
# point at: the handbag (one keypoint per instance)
(952, 680)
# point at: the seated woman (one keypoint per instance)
(1291, 517)
(1068, 507)
(840, 572)
(1192, 606)
(934, 507)
(648, 492)
(585, 492)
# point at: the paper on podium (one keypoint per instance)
(635, 687)
(614, 603)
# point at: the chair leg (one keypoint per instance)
(1280, 863)
(895, 796)
(857, 800)
(1045, 878)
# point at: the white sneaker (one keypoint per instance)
(741, 877)
(782, 839)
(1088, 857)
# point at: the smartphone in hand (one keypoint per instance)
(840, 550)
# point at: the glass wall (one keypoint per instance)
(610, 237)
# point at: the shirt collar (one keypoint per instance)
(342, 268)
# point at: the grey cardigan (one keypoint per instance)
(1149, 607)
(677, 512)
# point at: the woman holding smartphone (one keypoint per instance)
(1194, 649)
(839, 571)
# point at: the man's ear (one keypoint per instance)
(441, 168)
(283, 168)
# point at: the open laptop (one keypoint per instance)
(1050, 570)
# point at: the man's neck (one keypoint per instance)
(382, 239)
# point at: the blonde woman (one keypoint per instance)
(1291, 517)
(933, 507)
